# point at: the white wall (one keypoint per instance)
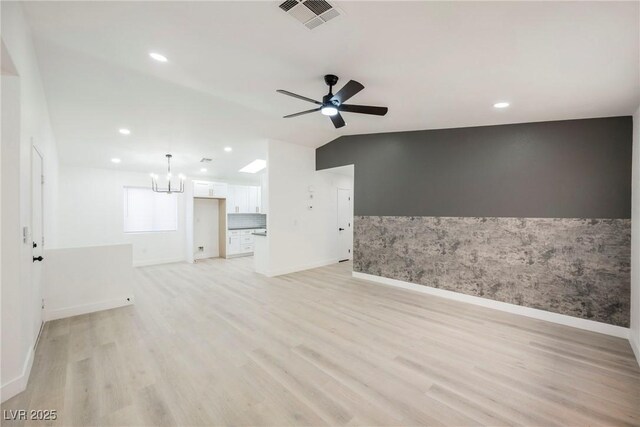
(91, 213)
(19, 295)
(634, 337)
(15, 322)
(88, 279)
(298, 237)
(205, 228)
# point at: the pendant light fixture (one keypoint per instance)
(169, 189)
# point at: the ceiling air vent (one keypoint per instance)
(311, 13)
(313, 23)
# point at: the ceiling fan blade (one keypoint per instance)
(295, 95)
(363, 109)
(337, 120)
(302, 112)
(351, 88)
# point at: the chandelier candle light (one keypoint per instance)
(168, 190)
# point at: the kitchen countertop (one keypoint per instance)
(246, 228)
(263, 234)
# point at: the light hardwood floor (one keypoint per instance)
(216, 344)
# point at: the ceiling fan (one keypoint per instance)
(332, 105)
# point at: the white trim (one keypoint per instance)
(635, 346)
(18, 384)
(239, 255)
(589, 325)
(205, 255)
(301, 267)
(158, 262)
(87, 308)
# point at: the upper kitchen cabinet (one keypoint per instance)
(254, 199)
(213, 190)
(244, 199)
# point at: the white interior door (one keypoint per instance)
(345, 219)
(37, 235)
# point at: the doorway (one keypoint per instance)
(37, 236)
(345, 224)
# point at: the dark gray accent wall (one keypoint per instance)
(560, 169)
(535, 214)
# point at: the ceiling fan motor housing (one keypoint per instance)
(330, 79)
(326, 100)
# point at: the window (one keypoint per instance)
(145, 211)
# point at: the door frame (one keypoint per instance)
(36, 155)
(340, 254)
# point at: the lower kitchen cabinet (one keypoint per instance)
(240, 242)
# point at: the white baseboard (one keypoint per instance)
(243, 254)
(635, 346)
(288, 270)
(158, 262)
(77, 310)
(200, 256)
(589, 325)
(18, 384)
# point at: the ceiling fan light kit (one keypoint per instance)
(332, 105)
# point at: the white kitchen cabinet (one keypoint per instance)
(259, 201)
(219, 190)
(206, 189)
(238, 199)
(235, 199)
(231, 199)
(240, 242)
(200, 189)
(244, 199)
(254, 199)
(234, 245)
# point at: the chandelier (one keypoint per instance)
(169, 189)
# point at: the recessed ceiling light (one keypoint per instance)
(228, 149)
(158, 57)
(256, 166)
(115, 160)
(203, 169)
(124, 131)
(501, 104)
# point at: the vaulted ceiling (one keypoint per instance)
(434, 64)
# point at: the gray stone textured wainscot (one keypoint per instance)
(577, 267)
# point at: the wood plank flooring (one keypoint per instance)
(216, 344)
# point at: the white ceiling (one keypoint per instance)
(434, 64)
